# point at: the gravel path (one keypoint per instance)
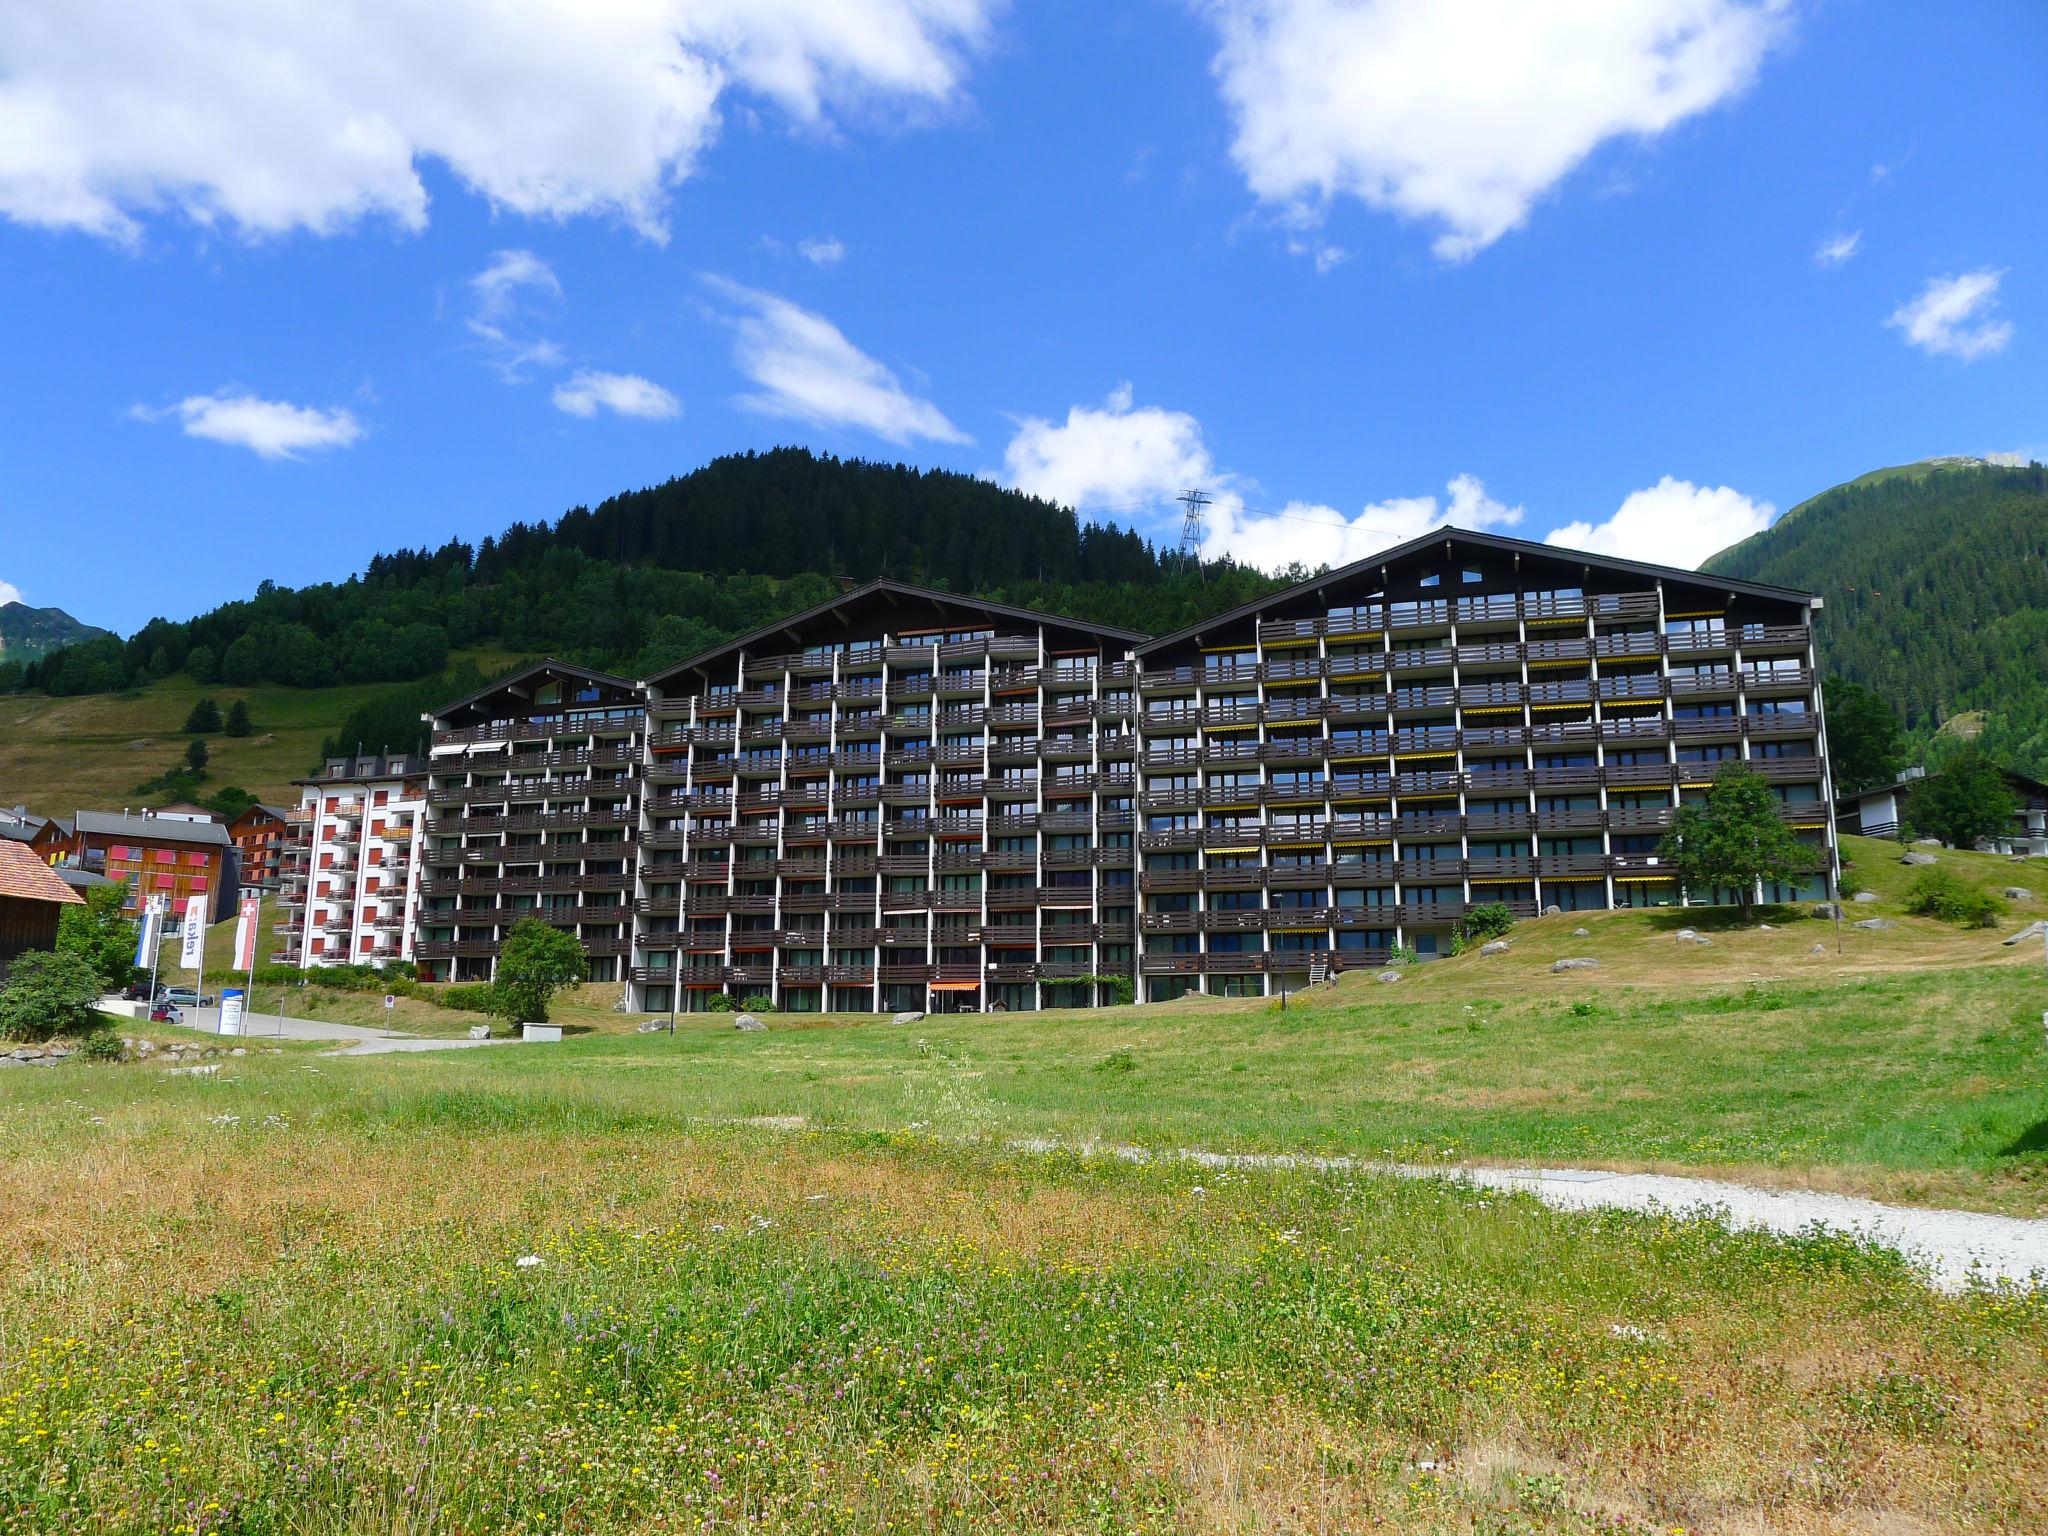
(352, 1039)
(1952, 1248)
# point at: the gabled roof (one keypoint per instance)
(547, 667)
(153, 829)
(24, 877)
(886, 589)
(1447, 537)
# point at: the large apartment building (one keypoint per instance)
(348, 872)
(906, 799)
(1345, 768)
(533, 800)
(897, 800)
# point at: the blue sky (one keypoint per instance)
(284, 284)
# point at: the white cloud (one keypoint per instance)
(824, 251)
(1837, 249)
(807, 370)
(10, 593)
(1674, 522)
(1312, 534)
(270, 429)
(1112, 456)
(503, 298)
(624, 394)
(1952, 315)
(275, 115)
(1465, 112)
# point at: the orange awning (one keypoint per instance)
(956, 986)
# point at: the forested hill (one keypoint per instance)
(652, 576)
(1935, 577)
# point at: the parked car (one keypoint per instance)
(164, 1013)
(187, 997)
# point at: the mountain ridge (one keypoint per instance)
(29, 634)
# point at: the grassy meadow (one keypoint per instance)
(812, 1280)
(59, 755)
(479, 1292)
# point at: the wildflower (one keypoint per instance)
(1291, 1235)
(528, 1261)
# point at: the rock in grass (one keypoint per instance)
(1864, 896)
(748, 1021)
(1553, 911)
(1914, 856)
(2033, 930)
(1494, 947)
(1927, 842)
(1687, 933)
(1582, 933)
(1580, 964)
(1388, 976)
(910, 1017)
(1827, 909)
(1818, 949)
(479, 1031)
(2018, 893)
(1694, 938)
(1875, 924)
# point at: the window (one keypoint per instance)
(1470, 577)
(1431, 579)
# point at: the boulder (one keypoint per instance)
(1864, 896)
(1553, 911)
(1694, 938)
(2033, 930)
(1928, 842)
(1875, 924)
(1818, 949)
(1582, 933)
(1827, 909)
(1494, 947)
(909, 1017)
(1574, 965)
(1914, 856)
(1687, 933)
(2018, 893)
(1388, 976)
(650, 1026)
(479, 1031)
(748, 1021)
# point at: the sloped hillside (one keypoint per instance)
(1936, 582)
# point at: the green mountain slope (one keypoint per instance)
(29, 634)
(1935, 577)
(652, 576)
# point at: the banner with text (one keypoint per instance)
(192, 950)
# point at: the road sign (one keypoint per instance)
(231, 1011)
(390, 1002)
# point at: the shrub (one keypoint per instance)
(1937, 893)
(760, 1002)
(718, 1002)
(50, 993)
(102, 1046)
(470, 996)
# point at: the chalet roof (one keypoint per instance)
(883, 590)
(547, 667)
(24, 877)
(145, 828)
(1448, 538)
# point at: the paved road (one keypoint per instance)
(353, 1039)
